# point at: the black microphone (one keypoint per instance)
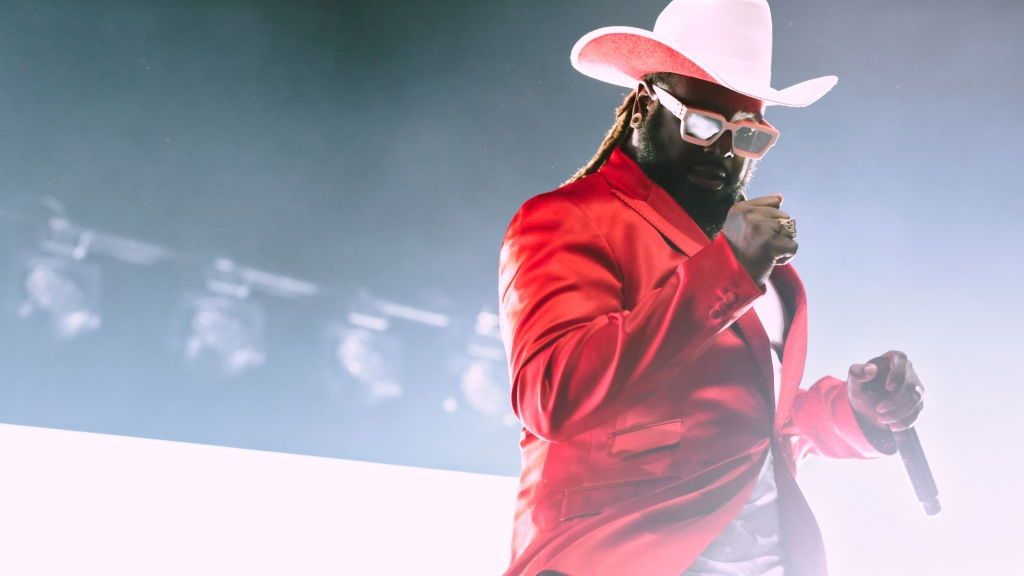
(910, 450)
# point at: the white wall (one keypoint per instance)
(74, 503)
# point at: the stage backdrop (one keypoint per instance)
(275, 226)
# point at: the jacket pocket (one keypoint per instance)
(594, 499)
(645, 438)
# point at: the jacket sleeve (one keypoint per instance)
(823, 422)
(576, 356)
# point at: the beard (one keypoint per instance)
(707, 207)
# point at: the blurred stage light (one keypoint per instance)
(450, 404)
(73, 241)
(66, 291)
(60, 284)
(370, 357)
(482, 387)
(483, 380)
(229, 277)
(412, 314)
(226, 332)
(369, 346)
(487, 326)
(226, 328)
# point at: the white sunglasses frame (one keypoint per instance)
(680, 110)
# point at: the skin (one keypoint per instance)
(896, 407)
(758, 239)
(670, 162)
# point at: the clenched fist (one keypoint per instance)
(896, 402)
(757, 236)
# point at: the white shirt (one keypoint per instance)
(751, 545)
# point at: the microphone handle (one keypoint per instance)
(916, 464)
(909, 447)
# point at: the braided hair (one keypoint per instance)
(619, 131)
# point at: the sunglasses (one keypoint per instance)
(750, 139)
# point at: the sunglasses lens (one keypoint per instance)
(751, 139)
(701, 127)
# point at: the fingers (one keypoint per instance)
(861, 373)
(756, 234)
(897, 370)
(772, 200)
(773, 213)
(909, 393)
(784, 246)
(765, 221)
(905, 399)
(902, 420)
(901, 404)
(900, 391)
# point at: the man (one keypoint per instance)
(656, 332)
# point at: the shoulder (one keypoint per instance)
(573, 204)
(554, 235)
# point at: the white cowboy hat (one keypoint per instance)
(728, 42)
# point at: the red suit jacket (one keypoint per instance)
(643, 380)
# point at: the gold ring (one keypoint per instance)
(790, 225)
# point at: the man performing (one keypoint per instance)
(656, 329)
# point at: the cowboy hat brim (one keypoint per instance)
(622, 55)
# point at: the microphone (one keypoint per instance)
(909, 447)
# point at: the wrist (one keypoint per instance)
(751, 269)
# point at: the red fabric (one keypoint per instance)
(642, 378)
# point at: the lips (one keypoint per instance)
(709, 171)
(708, 176)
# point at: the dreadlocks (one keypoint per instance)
(619, 131)
(616, 134)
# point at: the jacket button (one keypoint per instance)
(731, 298)
(716, 314)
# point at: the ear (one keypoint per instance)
(646, 101)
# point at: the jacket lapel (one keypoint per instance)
(681, 231)
(631, 185)
(750, 328)
(628, 182)
(794, 352)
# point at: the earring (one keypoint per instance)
(634, 121)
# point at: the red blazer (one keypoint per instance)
(643, 380)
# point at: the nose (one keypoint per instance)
(723, 146)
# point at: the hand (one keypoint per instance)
(757, 237)
(896, 404)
